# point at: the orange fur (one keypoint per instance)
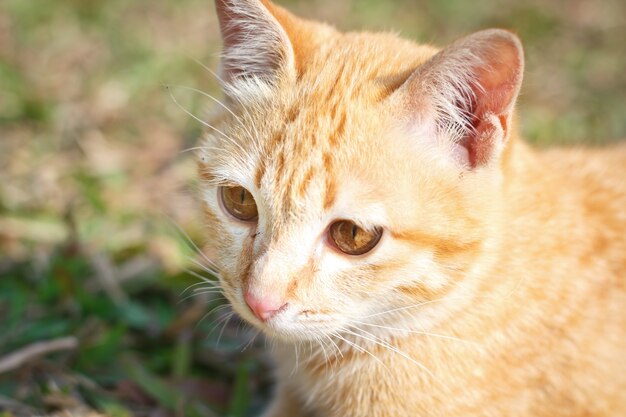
(498, 288)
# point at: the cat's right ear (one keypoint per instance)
(256, 46)
(464, 96)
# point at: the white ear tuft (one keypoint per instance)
(255, 44)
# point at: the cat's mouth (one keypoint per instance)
(291, 322)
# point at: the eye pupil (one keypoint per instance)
(239, 203)
(351, 239)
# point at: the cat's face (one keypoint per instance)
(331, 207)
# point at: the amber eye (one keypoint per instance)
(239, 202)
(352, 239)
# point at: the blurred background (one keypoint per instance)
(97, 186)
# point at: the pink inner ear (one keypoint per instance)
(498, 79)
(481, 144)
(467, 91)
(497, 84)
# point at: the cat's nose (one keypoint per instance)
(263, 308)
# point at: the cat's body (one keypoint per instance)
(479, 278)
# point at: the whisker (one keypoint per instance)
(242, 106)
(201, 148)
(202, 293)
(203, 281)
(209, 70)
(321, 345)
(257, 332)
(195, 90)
(208, 287)
(337, 353)
(386, 345)
(207, 291)
(213, 310)
(330, 339)
(420, 304)
(226, 321)
(204, 123)
(209, 96)
(189, 287)
(211, 266)
(422, 332)
(360, 348)
(205, 267)
(295, 349)
(202, 278)
(192, 243)
(220, 80)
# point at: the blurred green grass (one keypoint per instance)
(94, 183)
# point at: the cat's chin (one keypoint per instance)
(292, 335)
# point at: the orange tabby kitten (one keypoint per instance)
(373, 211)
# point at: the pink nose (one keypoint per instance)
(263, 308)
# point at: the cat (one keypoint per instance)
(373, 211)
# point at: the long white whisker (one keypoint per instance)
(204, 281)
(213, 310)
(241, 123)
(423, 332)
(360, 349)
(423, 303)
(257, 332)
(215, 288)
(219, 336)
(326, 357)
(202, 293)
(242, 106)
(201, 148)
(335, 345)
(218, 78)
(208, 291)
(323, 349)
(337, 353)
(204, 123)
(192, 243)
(386, 345)
(295, 348)
(205, 267)
(204, 93)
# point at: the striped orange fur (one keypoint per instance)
(498, 285)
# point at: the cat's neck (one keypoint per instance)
(555, 200)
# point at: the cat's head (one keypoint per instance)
(353, 179)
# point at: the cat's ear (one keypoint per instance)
(255, 43)
(467, 93)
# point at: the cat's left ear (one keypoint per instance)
(466, 93)
(256, 45)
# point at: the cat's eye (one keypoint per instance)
(352, 239)
(239, 203)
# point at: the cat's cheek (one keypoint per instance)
(426, 271)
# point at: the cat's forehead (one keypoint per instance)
(304, 143)
(297, 162)
(297, 168)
